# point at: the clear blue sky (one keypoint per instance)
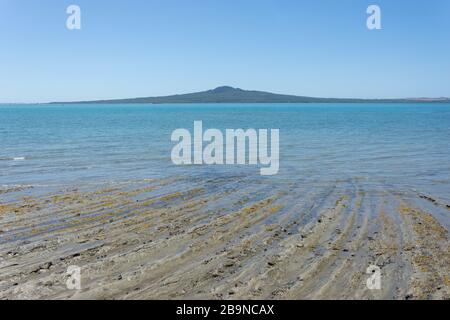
(156, 47)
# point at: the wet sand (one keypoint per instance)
(224, 238)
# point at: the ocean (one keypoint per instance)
(405, 145)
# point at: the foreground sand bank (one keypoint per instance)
(227, 238)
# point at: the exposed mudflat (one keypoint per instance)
(224, 238)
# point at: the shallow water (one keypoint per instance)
(404, 146)
(93, 185)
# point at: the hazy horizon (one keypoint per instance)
(245, 89)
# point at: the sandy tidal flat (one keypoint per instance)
(224, 238)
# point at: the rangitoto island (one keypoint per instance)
(227, 94)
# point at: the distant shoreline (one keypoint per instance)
(226, 94)
(230, 95)
(222, 103)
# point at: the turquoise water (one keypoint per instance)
(404, 146)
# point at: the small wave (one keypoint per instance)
(12, 159)
(13, 188)
(16, 186)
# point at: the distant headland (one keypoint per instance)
(227, 94)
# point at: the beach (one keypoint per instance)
(93, 188)
(228, 238)
(223, 159)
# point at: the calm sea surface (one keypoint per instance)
(400, 146)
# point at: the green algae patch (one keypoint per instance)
(255, 207)
(275, 209)
(10, 208)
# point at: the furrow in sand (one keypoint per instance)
(230, 269)
(226, 239)
(350, 263)
(49, 250)
(224, 244)
(157, 269)
(268, 279)
(430, 255)
(325, 248)
(183, 241)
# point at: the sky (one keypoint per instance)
(133, 48)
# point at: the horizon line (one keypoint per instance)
(421, 99)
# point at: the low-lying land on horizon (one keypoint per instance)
(227, 94)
